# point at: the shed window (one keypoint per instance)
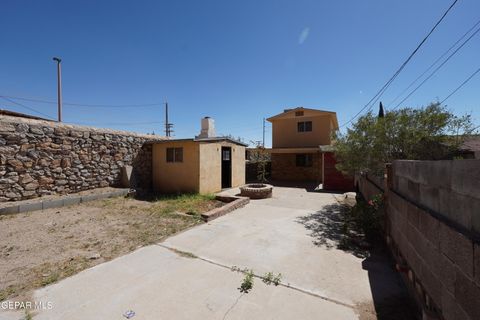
(226, 155)
(304, 160)
(174, 154)
(304, 126)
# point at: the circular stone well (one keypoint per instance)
(256, 190)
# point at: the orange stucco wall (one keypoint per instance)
(285, 134)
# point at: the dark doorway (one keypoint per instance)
(226, 167)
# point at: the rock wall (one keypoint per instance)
(43, 157)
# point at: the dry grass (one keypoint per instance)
(40, 248)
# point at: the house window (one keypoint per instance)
(298, 113)
(174, 154)
(304, 160)
(304, 126)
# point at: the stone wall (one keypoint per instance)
(43, 157)
(432, 218)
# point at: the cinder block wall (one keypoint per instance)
(369, 186)
(433, 214)
(450, 188)
(42, 157)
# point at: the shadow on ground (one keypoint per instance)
(332, 228)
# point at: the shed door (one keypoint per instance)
(226, 167)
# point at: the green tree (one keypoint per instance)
(428, 133)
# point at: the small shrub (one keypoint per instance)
(369, 216)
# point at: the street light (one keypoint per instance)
(59, 87)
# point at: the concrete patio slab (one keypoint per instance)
(269, 236)
(293, 234)
(157, 283)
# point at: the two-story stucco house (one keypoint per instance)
(299, 137)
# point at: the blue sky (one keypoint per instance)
(236, 61)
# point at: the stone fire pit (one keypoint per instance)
(256, 190)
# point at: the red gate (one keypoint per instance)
(333, 179)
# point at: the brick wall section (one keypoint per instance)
(436, 240)
(284, 168)
(41, 157)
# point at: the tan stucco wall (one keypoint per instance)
(285, 134)
(238, 165)
(176, 177)
(211, 166)
(200, 170)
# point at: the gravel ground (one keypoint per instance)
(42, 247)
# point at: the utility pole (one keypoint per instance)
(59, 87)
(263, 143)
(168, 125)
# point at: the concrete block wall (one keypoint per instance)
(43, 157)
(369, 186)
(450, 188)
(444, 262)
(432, 213)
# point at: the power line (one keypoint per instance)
(84, 104)
(436, 69)
(461, 85)
(395, 75)
(26, 107)
(434, 63)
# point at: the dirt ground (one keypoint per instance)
(42, 247)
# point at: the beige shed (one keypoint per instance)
(200, 165)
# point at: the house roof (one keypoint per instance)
(471, 144)
(213, 139)
(289, 112)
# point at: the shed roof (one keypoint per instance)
(214, 139)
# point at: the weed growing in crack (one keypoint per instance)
(277, 279)
(269, 278)
(247, 283)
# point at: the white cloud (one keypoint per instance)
(303, 35)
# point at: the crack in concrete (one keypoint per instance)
(233, 306)
(304, 291)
